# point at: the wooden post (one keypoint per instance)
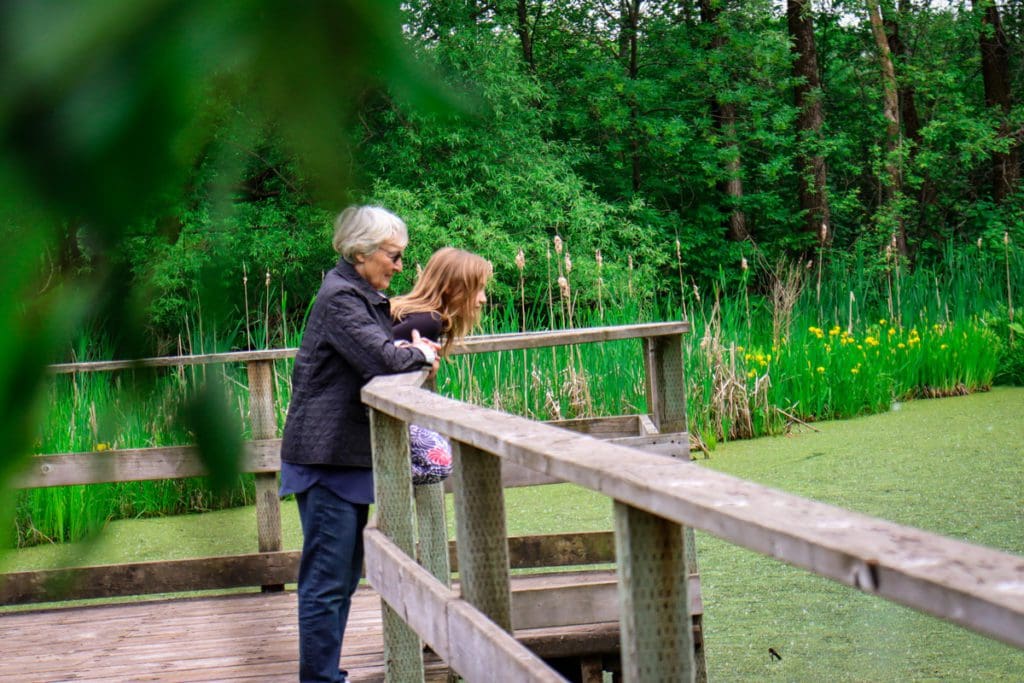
(432, 525)
(433, 531)
(481, 539)
(392, 483)
(666, 390)
(655, 623)
(263, 419)
(666, 403)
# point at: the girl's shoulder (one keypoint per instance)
(427, 323)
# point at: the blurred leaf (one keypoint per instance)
(107, 107)
(216, 429)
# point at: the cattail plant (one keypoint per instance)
(568, 301)
(679, 270)
(744, 275)
(899, 289)
(521, 265)
(266, 312)
(245, 291)
(849, 318)
(551, 296)
(823, 238)
(562, 281)
(888, 282)
(1009, 286)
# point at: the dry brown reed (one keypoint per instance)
(786, 286)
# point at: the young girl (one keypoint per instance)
(446, 302)
(447, 299)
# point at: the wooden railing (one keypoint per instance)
(655, 498)
(270, 567)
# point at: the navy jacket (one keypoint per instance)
(347, 342)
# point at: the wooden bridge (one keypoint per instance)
(642, 621)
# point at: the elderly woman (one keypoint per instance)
(325, 453)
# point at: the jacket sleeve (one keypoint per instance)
(355, 333)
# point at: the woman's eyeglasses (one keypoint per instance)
(396, 257)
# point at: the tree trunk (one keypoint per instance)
(525, 35)
(724, 119)
(995, 69)
(892, 185)
(812, 170)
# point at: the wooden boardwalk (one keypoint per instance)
(242, 637)
(254, 636)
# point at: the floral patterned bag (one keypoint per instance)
(431, 456)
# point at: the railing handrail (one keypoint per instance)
(975, 586)
(473, 344)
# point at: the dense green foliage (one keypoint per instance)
(607, 137)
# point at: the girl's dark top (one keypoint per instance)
(427, 322)
(348, 341)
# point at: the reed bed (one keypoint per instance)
(773, 346)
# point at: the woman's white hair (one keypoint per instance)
(362, 229)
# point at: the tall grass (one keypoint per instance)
(771, 345)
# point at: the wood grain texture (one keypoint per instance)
(137, 464)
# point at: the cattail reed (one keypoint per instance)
(245, 291)
(566, 293)
(888, 282)
(1009, 286)
(679, 270)
(849, 318)
(521, 265)
(266, 316)
(744, 274)
(551, 295)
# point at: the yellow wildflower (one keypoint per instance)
(855, 371)
(821, 369)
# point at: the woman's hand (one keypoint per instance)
(430, 349)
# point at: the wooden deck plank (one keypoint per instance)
(237, 637)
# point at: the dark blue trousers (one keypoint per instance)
(332, 561)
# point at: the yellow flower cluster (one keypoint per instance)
(760, 358)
